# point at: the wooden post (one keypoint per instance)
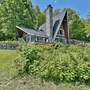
(65, 27)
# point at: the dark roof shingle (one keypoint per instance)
(32, 31)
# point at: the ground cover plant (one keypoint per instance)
(57, 62)
(44, 65)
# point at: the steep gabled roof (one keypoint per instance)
(42, 29)
(31, 31)
(58, 17)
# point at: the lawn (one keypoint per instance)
(7, 58)
(7, 67)
(7, 71)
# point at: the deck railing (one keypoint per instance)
(12, 45)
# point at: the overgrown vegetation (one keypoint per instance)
(8, 70)
(57, 63)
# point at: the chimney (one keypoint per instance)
(49, 22)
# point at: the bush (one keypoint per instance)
(58, 63)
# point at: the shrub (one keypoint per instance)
(58, 63)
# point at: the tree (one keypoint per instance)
(40, 16)
(16, 12)
(87, 26)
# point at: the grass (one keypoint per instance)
(7, 71)
(6, 58)
(7, 68)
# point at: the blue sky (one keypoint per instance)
(81, 6)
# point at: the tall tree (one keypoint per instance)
(16, 12)
(40, 16)
(87, 26)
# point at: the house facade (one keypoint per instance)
(54, 29)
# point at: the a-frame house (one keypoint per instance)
(54, 29)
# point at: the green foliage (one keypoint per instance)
(40, 16)
(18, 12)
(58, 63)
(87, 26)
(8, 71)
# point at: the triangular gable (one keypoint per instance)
(60, 18)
